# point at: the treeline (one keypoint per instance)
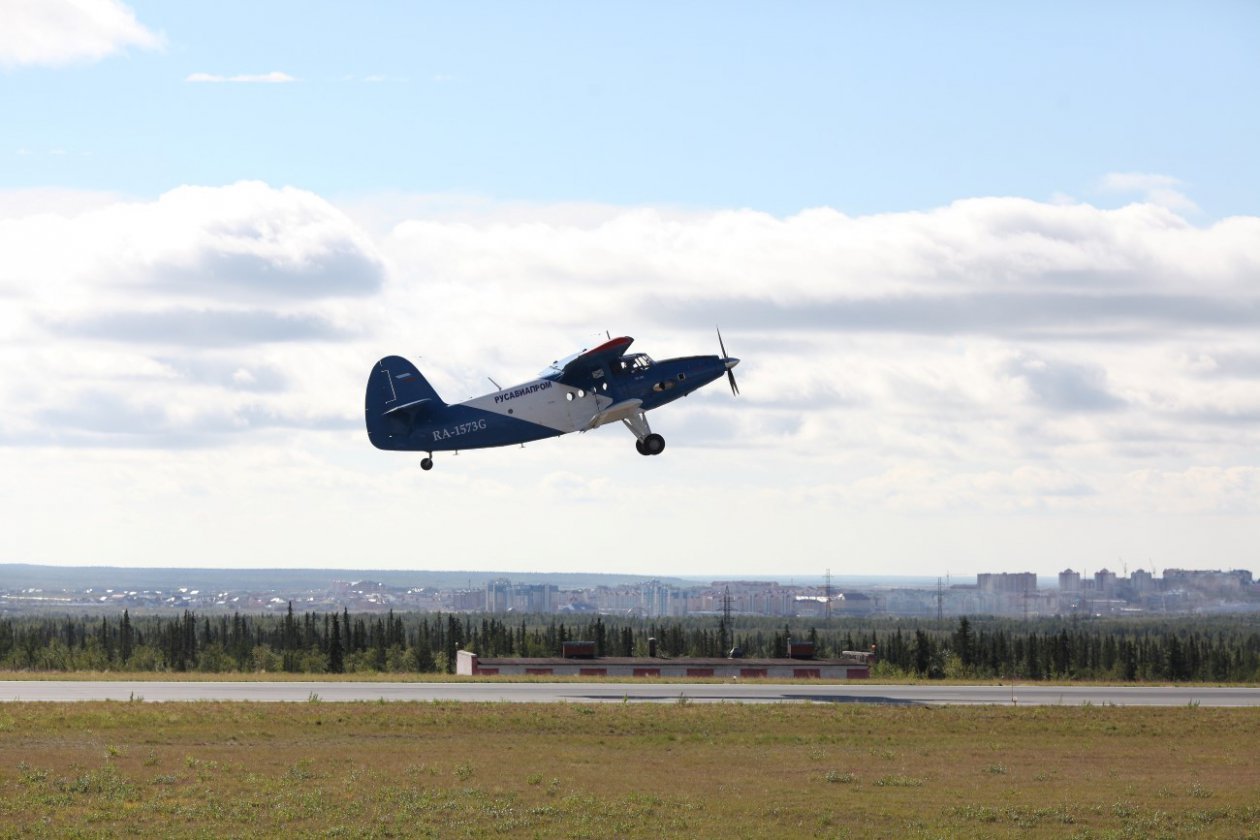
(1189, 652)
(1193, 649)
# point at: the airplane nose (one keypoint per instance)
(730, 363)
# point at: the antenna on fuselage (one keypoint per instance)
(496, 385)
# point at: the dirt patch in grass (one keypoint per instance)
(693, 770)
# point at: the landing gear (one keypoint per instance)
(646, 442)
(426, 464)
(653, 444)
(650, 445)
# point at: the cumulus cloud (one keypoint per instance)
(969, 248)
(996, 358)
(995, 354)
(987, 333)
(1034, 315)
(275, 77)
(1065, 387)
(59, 32)
(61, 201)
(1163, 190)
(1226, 364)
(200, 327)
(247, 240)
(225, 294)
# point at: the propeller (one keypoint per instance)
(730, 363)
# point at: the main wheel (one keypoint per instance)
(426, 464)
(654, 444)
(638, 444)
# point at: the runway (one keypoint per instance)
(63, 691)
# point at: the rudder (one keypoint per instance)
(398, 399)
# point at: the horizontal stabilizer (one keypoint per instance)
(416, 410)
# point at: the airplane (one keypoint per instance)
(576, 394)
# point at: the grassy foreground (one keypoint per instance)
(677, 770)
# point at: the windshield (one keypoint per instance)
(636, 363)
(557, 367)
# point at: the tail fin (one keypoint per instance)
(399, 398)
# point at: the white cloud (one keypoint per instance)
(243, 243)
(992, 358)
(986, 336)
(273, 78)
(1163, 190)
(60, 201)
(204, 283)
(58, 32)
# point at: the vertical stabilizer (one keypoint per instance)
(398, 400)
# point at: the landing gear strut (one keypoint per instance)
(646, 442)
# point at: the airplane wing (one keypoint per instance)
(576, 370)
(614, 412)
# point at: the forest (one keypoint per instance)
(1184, 649)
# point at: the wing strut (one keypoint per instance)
(637, 423)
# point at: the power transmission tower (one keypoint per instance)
(828, 596)
(726, 619)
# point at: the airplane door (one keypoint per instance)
(584, 404)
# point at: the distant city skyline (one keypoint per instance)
(993, 274)
(44, 589)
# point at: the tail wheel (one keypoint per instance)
(653, 444)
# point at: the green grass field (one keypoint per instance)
(678, 770)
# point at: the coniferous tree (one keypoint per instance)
(922, 653)
(336, 656)
(1032, 661)
(964, 644)
(126, 638)
(1177, 666)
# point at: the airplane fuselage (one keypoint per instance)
(586, 391)
(543, 408)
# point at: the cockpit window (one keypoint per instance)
(557, 367)
(636, 363)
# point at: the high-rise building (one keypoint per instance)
(1142, 581)
(1007, 583)
(498, 595)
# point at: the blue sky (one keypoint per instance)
(865, 107)
(993, 271)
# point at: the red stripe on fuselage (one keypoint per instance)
(607, 346)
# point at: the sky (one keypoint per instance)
(993, 271)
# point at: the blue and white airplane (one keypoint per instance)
(576, 394)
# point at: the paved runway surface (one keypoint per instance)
(297, 692)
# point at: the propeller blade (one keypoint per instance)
(730, 374)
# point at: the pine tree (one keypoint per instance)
(126, 640)
(922, 653)
(336, 656)
(964, 644)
